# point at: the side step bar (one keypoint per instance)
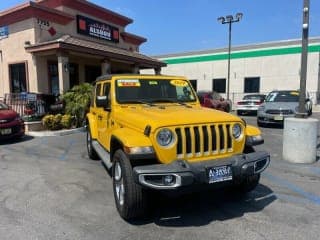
(103, 154)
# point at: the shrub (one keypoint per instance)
(77, 102)
(56, 122)
(66, 121)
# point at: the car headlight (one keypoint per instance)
(165, 137)
(236, 130)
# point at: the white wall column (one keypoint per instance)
(64, 78)
(105, 67)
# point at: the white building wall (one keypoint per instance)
(275, 71)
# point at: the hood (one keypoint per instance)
(157, 116)
(8, 114)
(283, 105)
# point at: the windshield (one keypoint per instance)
(283, 96)
(3, 106)
(153, 90)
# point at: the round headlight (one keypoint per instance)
(165, 137)
(236, 131)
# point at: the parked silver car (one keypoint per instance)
(281, 104)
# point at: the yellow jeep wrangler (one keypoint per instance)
(153, 134)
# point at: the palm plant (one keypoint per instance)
(77, 102)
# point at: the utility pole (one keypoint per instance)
(229, 20)
(304, 60)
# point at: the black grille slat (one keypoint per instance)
(229, 139)
(197, 139)
(188, 140)
(221, 137)
(213, 138)
(179, 144)
(205, 139)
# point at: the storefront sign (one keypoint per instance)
(4, 32)
(93, 28)
(43, 23)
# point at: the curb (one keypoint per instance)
(55, 133)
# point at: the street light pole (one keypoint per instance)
(229, 19)
(304, 59)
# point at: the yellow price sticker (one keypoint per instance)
(179, 83)
(128, 83)
(294, 93)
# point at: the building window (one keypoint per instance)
(219, 85)
(194, 84)
(53, 78)
(91, 73)
(252, 85)
(18, 78)
(73, 74)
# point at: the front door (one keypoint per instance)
(103, 118)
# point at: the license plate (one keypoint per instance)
(219, 174)
(278, 118)
(6, 131)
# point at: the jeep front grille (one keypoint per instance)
(203, 140)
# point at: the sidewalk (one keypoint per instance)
(55, 133)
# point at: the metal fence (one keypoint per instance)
(29, 103)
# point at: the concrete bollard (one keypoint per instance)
(300, 140)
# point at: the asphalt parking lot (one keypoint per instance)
(49, 189)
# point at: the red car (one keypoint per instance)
(214, 100)
(11, 125)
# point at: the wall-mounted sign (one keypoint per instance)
(4, 32)
(93, 28)
(43, 23)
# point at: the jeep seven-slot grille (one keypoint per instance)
(203, 140)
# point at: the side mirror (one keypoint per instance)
(103, 102)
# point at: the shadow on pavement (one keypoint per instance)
(205, 207)
(16, 140)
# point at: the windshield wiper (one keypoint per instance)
(170, 101)
(140, 101)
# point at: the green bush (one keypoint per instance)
(57, 122)
(77, 102)
(66, 121)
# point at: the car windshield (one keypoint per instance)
(153, 90)
(3, 106)
(283, 96)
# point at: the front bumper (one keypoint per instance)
(186, 174)
(272, 118)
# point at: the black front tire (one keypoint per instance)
(131, 200)
(91, 152)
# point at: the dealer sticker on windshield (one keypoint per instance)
(179, 83)
(128, 83)
(219, 174)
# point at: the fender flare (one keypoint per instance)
(92, 123)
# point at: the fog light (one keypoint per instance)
(168, 180)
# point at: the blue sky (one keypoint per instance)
(175, 26)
